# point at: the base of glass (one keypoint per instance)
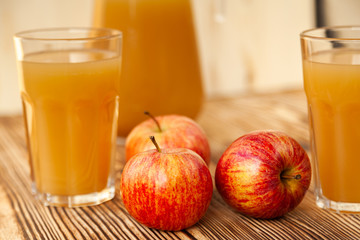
(74, 201)
(339, 207)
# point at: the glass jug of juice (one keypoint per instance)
(161, 68)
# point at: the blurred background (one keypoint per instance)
(246, 46)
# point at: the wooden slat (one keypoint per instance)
(224, 120)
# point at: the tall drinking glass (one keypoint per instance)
(331, 65)
(70, 92)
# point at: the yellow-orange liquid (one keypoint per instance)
(161, 71)
(70, 114)
(333, 92)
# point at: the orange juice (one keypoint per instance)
(333, 92)
(161, 71)
(70, 100)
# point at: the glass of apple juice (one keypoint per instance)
(69, 86)
(331, 69)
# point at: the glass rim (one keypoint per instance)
(308, 33)
(27, 34)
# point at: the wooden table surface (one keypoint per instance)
(22, 217)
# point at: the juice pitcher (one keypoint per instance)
(161, 68)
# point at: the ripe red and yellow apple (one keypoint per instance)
(263, 174)
(167, 189)
(170, 131)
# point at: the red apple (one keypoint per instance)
(167, 189)
(263, 174)
(170, 131)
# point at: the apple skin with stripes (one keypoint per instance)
(170, 131)
(167, 190)
(263, 174)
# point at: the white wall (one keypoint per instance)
(255, 48)
(344, 12)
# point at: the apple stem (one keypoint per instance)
(153, 118)
(297, 177)
(152, 138)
